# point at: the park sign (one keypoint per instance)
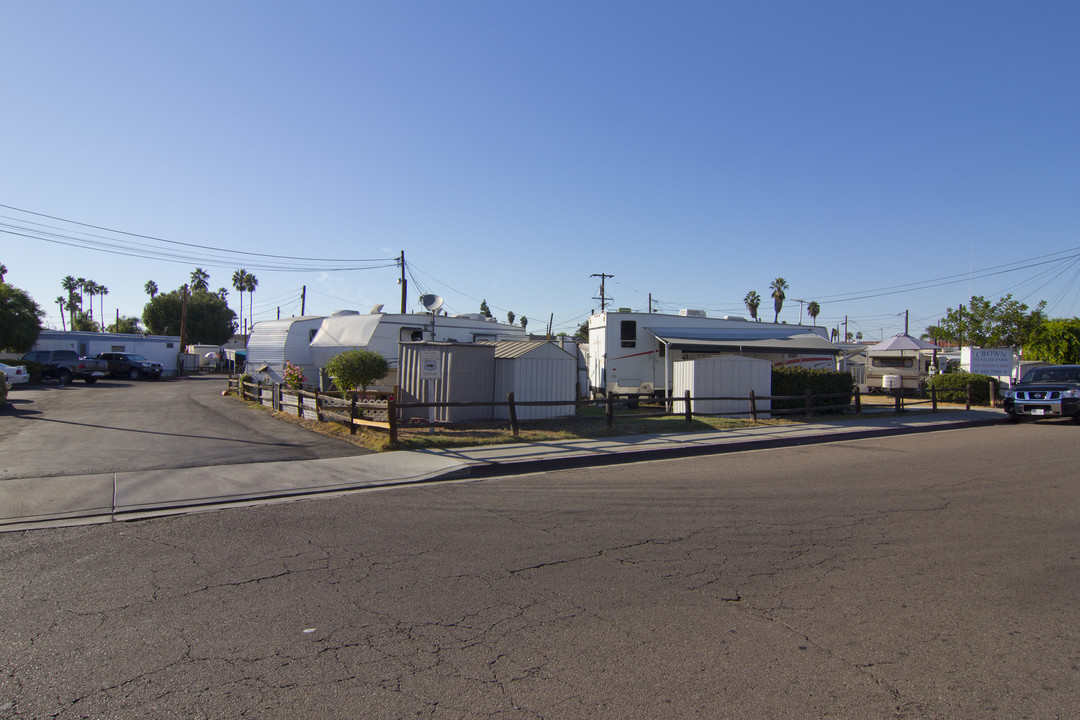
(992, 361)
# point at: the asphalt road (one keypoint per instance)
(921, 576)
(121, 425)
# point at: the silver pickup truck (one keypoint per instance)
(1045, 392)
(66, 365)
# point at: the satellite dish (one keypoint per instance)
(431, 303)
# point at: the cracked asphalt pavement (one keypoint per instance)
(922, 576)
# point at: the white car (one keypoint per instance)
(15, 374)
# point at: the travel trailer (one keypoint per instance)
(632, 353)
(381, 332)
(274, 342)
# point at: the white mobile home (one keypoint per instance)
(162, 349)
(382, 332)
(632, 353)
(272, 343)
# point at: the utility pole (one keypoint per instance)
(303, 300)
(845, 328)
(603, 298)
(906, 314)
(183, 329)
(404, 283)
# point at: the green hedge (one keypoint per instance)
(796, 381)
(3, 389)
(952, 387)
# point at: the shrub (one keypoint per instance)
(796, 381)
(3, 389)
(293, 376)
(952, 387)
(356, 369)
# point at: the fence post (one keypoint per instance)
(513, 413)
(609, 410)
(391, 418)
(318, 415)
(352, 413)
(259, 396)
(809, 404)
(275, 397)
(858, 401)
(300, 404)
(689, 410)
(899, 402)
(933, 397)
(968, 397)
(993, 396)
(753, 406)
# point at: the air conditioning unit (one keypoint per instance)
(692, 312)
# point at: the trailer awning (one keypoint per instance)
(749, 339)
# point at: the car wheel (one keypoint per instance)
(90, 381)
(133, 374)
(64, 376)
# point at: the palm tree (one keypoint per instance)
(199, 278)
(813, 310)
(151, 288)
(239, 283)
(250, 283)
(60, 302)
(752, 301)
(778, 286)
(70, 284)
(3, 272)
(222, 293)
(82, 290)
(102, 292)
(90, 288)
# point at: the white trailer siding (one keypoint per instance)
(382, 333)
(162, 349)
(274, 342)
(723, 376)
(535, 371)
(631, 353)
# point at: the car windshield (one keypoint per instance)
(1053, 375)
(137, 358)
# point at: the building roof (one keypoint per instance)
(517, 348)
(790, 339)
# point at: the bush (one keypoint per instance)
(356, 369)
(34, 369)
(952, 387)
(3, 389)
(796, 381)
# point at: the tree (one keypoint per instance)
(60, 301)
(484, 309)
(1006, 323)
(582, 333)
(778, 287)
(813, 310)
(102, 292)
(127, 325)
(151, 288)
(356, 369)
(250, 283)
(1056, 342)
(510, 317)
(524, 321)
(3, 271)
(91, 289)
(752, 302)
(209, 319)
(223, 294)
(20, 320)
(70, 284)
(239, 282)
(199, 280)
(85, 323)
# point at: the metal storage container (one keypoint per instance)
(728, 376)
(447, 372)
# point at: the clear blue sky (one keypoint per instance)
(694, 150)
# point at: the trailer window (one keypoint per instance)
(894, 362)
(628, 333)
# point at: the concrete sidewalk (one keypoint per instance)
(30, 503)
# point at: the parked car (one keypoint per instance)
(1050, 391)
(131, 365)
(66, 365)
(15, 374)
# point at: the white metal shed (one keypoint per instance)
(274, 342)
(447, 372)
(534, 370)
(723, 376)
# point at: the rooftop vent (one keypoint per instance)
(692, 312)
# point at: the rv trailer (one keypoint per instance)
(632, 353)
(382, 332)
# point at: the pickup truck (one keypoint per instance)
(1052, 391)
(66, 365)
(130, 365)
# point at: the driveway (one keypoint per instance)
(120, 425)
